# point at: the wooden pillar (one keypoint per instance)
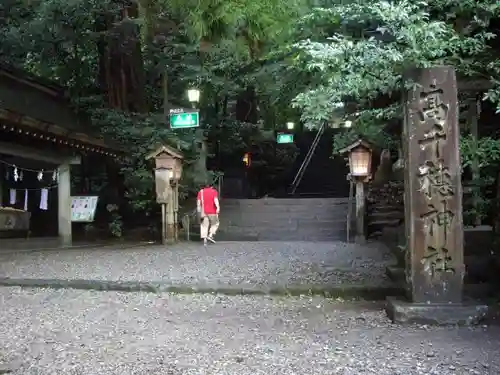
(2, 177)
(176, 210)
(170, 217)
(64, 204)
(474, 116)
(163, 224)
(433, 203)
(360, 212)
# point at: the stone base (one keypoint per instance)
(395, 274)
(360, 239)
(171, 234)
(404, 312)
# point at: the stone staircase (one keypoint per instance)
(287, 219)
(315, 182)
(385, 208)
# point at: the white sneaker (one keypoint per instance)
(211, 239)
(204, 242)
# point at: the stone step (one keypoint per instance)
(281, 221)
(284, 224)
(287, 219)
(384, 223)
(296, 237)
(386, 214)
(276, 236)
(284, 202)
(287, 209)
(271, 232)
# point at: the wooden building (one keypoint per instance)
(40, 133)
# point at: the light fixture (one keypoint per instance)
(193, 95)
(348, 124)
(247, 160)
(360, 160)
(290, 125)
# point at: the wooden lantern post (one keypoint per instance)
(168, 171)
(360, 161)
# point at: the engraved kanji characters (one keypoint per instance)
(437, 259)
(438, 218)
(435, 178)
(433, 111)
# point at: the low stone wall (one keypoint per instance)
(482, 264)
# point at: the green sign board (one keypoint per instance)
(184, 120)
(284, 138)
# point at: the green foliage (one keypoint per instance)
(363, 48)
(312, 54)
(484, 154)
(60, 40)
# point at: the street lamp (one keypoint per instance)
(290, 125)
(348, 124)
(193, 95)
(360, 160)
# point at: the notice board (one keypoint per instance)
(83, 208)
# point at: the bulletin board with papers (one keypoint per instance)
(83, 208)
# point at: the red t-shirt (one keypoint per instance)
(209, 196)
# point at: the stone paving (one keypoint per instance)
(253, 264)
(44, 331)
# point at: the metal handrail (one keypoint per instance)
(307, 160)
(186, 222)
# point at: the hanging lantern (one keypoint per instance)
(247, 159)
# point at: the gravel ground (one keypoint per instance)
(230, 263)
(68, 332)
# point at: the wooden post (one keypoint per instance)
(64, 204)
(170, 217)
(433, 203)
(474, 114)
(360, 212)
(163, 224)
(349, 208)
(176, 211)
(2, 176)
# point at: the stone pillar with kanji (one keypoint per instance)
(433, 204)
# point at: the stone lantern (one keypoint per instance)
(168, 172)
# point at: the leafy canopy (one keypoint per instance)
(365, 47)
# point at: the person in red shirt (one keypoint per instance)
(208, 207)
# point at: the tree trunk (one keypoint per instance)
(224, 107)
(246, 106)
(200, 167)
(121, 64)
